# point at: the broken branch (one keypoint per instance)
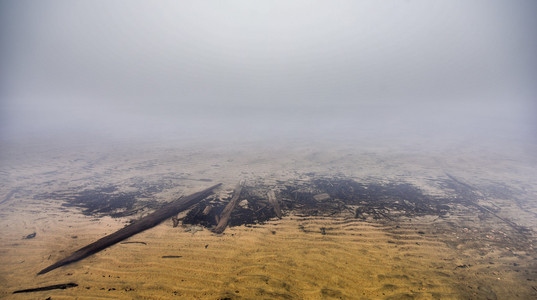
(226, 213)
(275, 204)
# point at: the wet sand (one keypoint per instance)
(467, 254)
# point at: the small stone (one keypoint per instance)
(30, 236)
(244, 204)
(321, 197)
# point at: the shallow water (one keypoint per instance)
(458, 222)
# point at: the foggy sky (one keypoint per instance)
(124, 68)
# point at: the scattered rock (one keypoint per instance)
(30, 236)
(244, 204)
(194, 229)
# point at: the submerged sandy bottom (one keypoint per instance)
(461, 256)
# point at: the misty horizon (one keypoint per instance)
(268, 69)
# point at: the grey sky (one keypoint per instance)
(126, 65)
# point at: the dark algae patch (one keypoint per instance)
(110, 200)
(365, 200)
(100, 201)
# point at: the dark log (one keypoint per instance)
(226, 213)
(146, 222)
(275, 204)
(62, 286)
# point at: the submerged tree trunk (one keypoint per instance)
(146, 222)
(275, 204)
(62, 286)
(226, 213)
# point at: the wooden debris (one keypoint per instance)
(275, 204)
(62, 286)
(175, 221)
(226, 213)
(147, 222)
(207, 210)
(134, 242)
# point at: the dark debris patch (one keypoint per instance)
(323, 197)
(109, 201)
(256, 211)
(102, 201)
(316, 196)
(204, 214)
(375, 200)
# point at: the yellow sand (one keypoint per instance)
(288, 258)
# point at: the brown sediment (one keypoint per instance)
(145, 223)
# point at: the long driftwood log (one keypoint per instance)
(226, 213)
(62, 286)
(146, 222)
(275, 204)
